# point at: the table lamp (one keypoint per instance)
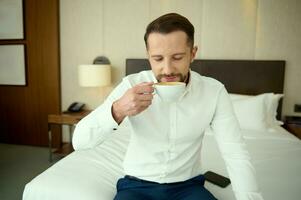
(97, 74)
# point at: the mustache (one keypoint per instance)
(179, 75)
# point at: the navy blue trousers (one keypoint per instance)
(131, 188)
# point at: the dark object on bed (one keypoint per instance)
(249, 77)
(217, 179)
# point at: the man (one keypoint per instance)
(163, 156)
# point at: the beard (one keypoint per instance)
(181, 77)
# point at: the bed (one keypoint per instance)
(92, 174)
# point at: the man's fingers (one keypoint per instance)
(146, 83)
(145, 97)
(138, 98)
(145, 103)
(144, 88)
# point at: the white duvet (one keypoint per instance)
(92, 174)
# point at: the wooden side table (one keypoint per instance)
(66, 118)
(293, 125)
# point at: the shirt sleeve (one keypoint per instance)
(99, 124)
(233, 149)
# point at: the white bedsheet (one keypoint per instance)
(276, 157)
(92, 174)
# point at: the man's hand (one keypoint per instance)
(133, 102)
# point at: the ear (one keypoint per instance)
(193, 53)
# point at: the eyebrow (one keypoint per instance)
(176, 54)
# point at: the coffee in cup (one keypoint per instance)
(169, 91)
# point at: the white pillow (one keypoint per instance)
(251, 112)
(270, 103)
(239, 96)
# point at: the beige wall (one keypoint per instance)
(278, 36)
(228, 29)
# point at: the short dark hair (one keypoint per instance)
(169, 23)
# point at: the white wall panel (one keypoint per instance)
(81, 35)
(278, 37)
(125, 23)
(228, 29)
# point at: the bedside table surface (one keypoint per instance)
(293, 125)
(67, 117)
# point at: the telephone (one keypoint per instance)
(76, 107)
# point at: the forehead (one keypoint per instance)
(163, 43)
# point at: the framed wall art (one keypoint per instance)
(12, 65)
(11, 20)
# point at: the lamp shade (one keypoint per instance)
(94, 75)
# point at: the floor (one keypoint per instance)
(18, 165)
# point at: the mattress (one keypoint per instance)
(92, 174)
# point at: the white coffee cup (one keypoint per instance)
(169, 91)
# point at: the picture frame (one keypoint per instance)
(13, 65)
(11, 20)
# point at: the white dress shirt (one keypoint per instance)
(166, 141)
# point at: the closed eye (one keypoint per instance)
(178, 58)
(158, 59)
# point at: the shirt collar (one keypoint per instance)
(188, 86)
(153, 77)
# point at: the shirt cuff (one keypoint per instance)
(108, 123)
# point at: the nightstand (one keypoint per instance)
(293, 125)
(65, 118)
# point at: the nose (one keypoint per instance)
(167, 67)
